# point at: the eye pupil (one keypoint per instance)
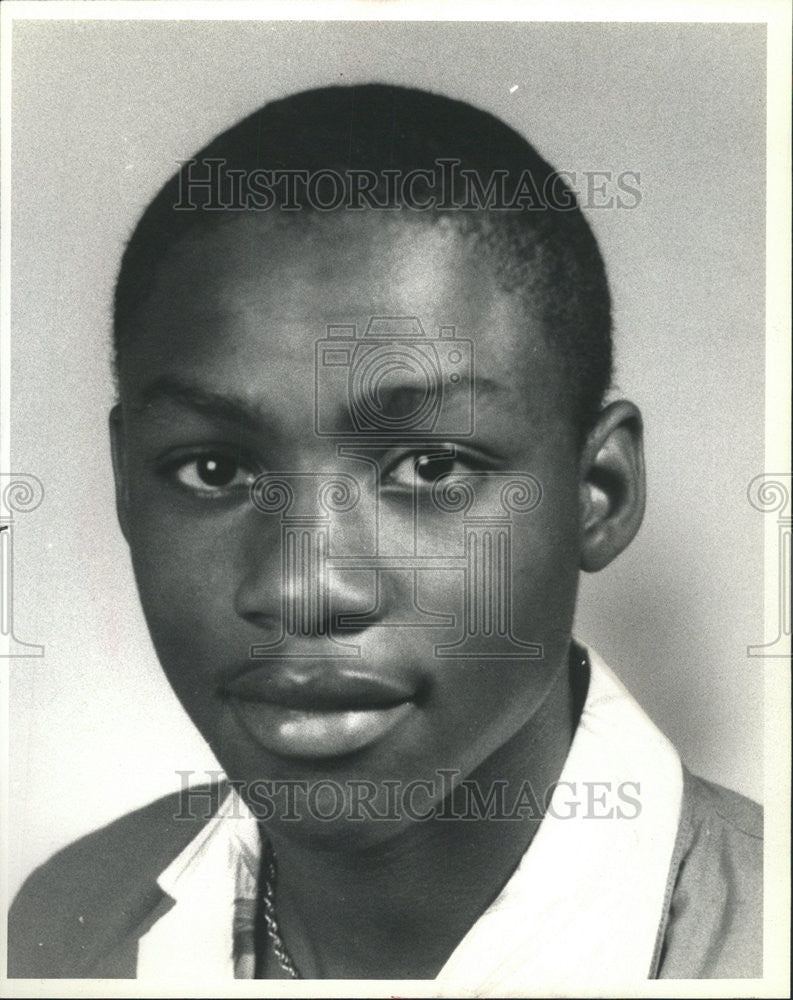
(216, 470)
(429, 469)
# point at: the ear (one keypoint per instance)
(612, 487)
(118, 450)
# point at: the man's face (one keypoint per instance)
(294, 656)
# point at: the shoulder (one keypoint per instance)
(738, 814)
(88, 896)
(715, 915)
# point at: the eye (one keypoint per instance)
(424, 467)
(212, 473)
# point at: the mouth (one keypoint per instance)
(317, 714)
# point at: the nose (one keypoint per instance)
(298, 523)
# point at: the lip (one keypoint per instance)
(291, 732)
(319, 689)
(318, 711)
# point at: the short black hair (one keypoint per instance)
(545, 249)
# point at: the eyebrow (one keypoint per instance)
(241, 412)
(233, 409)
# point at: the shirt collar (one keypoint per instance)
(586, 902)
(233, 824)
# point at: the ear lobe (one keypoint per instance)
(612, 489)
(119, 453)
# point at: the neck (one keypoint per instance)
(398, 909)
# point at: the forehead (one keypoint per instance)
(255, 293)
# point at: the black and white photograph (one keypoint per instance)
(395, 499)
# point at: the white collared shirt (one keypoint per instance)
(583, 906)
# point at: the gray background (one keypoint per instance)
(101, 112)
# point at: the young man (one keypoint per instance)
(362, 454)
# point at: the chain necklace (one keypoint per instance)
(270, 918)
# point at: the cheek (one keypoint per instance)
(484, 704)
(178, 573)
(478, 707)
(528, 561)
(545, 566)
(185, 578)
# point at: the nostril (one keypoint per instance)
(264, 621)
(355, 600)
(352, 622)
